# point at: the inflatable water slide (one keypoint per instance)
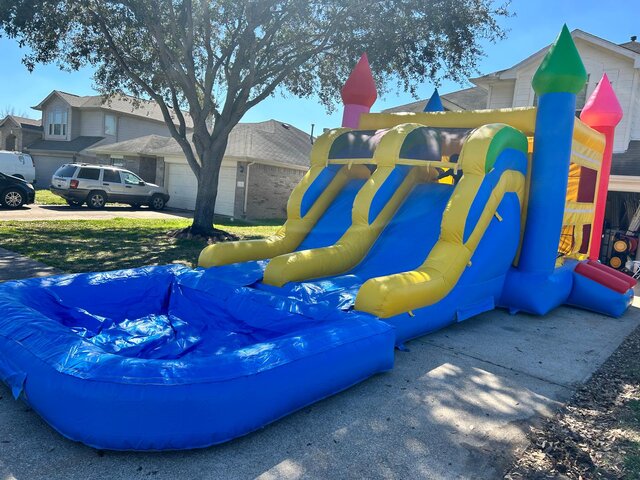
(405, 223)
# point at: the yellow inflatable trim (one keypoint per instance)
(292, 233)
(297, 226)
(433, 280)
(352, 247)
(523, 118)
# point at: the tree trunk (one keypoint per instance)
(208, 190)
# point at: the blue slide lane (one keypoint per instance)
(403, 245)
(479, 288)
(329, 228)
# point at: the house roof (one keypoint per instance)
(152, 145)
(76, 145)
(24, 122)
(633, 45)
(116, 103)
(624, 49)
(474, 98)
(627, 163)
(271, 142)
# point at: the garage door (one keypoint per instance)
(181, 183)
(46, 167)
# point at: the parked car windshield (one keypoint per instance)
(130, 178)
(65, 171)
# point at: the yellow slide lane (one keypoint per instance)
(435, 278)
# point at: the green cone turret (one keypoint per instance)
(561, 69)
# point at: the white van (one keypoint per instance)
(17, 164)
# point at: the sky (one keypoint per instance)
(534, 25)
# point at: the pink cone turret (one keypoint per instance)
(358, 93)
(602, 112)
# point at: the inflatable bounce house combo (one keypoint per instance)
(404, 224)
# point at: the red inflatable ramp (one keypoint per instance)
(602, 277)
(612, 271)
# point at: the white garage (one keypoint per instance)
(262, 164)
(181, 184)
(46, 166)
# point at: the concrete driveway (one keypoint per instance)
(456, 406)
(64, 212)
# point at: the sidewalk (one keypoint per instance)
(57, 212)
(14, 266)
(457, 405)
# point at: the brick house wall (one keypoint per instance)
(269, 190)
(23, 136)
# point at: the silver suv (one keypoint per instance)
(99, 184)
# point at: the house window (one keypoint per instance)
(57, 122)
(109, 124)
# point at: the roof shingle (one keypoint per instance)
(272, 141)
(474, 98)
(75, 145)
(633, 45)
(24, 122)
(118, 103)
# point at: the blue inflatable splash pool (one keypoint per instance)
(162, 358)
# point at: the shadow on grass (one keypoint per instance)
(88, 249)
(83, 246)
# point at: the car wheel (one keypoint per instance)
(13, 198)
(157, 202)
(74, 203)
(96, 200)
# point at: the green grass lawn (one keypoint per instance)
(45, 197)
(97, 245)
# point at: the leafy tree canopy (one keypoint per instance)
(218, 58)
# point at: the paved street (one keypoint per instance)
(14, 266)
(64, 212)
